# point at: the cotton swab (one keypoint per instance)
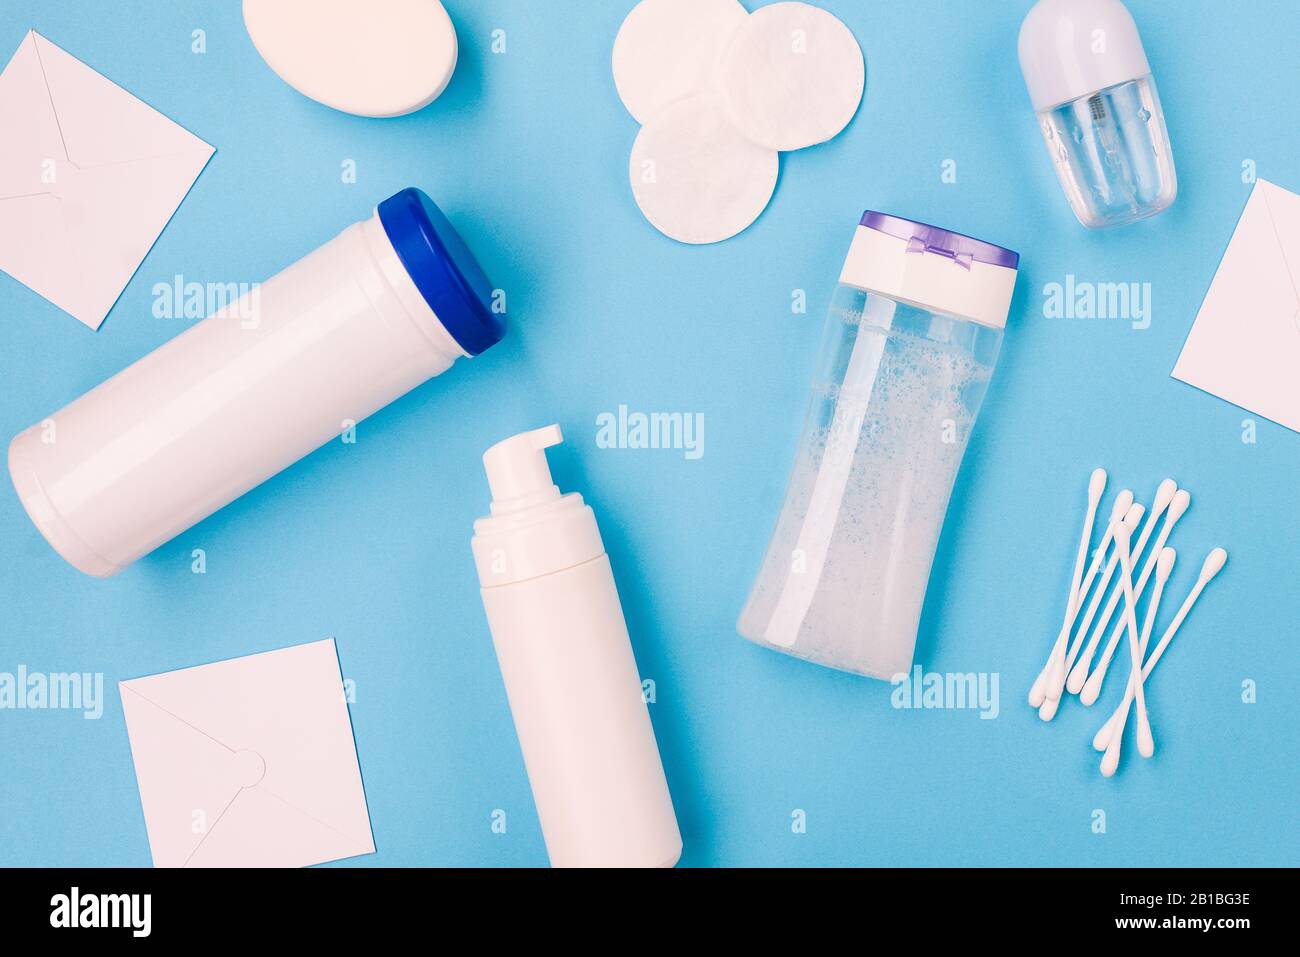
(1146, 743)
(1110, 760)
(1164, 566)
(1056, 679)
(1092, 685)
(1164, 495)
(1214, 562)
(1096, 485)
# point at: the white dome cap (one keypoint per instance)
(1073, 48)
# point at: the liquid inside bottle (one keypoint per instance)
(894, 399)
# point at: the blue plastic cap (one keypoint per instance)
(443, 269)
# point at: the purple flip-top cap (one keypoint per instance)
(941, 241)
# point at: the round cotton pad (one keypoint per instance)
(695, 177)
(791, 76)
(667, 50)
(377, 58)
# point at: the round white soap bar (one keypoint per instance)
(695, 177)
(667, 50)
(792, 76)
(368, 57)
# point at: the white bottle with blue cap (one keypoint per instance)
(299, 360)
(563, 646)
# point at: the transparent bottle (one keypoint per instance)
(1098, 109)
(909, 347)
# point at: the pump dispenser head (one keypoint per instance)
(517, 471)
(533, 529)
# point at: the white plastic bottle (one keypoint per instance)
(574, 689)
(376, 311)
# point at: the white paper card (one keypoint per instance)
(1245, 344)
(89, 176)
(248, 762)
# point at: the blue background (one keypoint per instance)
(527, 152)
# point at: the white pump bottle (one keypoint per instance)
(574, 689)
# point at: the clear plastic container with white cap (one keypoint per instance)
(909, 347)
(1097, 106)
(387, 304)
(566, 657)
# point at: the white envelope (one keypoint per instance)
(1245, 344)
(89, 176)
(248, 762)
